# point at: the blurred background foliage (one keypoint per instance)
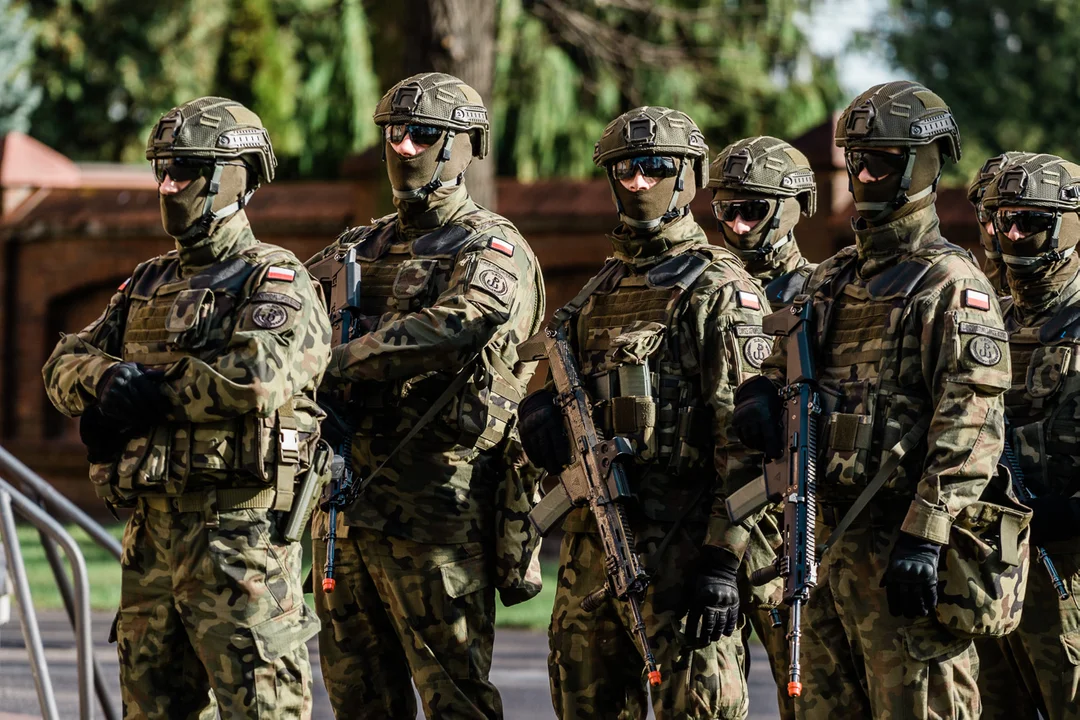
(314, 69)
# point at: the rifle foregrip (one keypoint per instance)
(764, 575)
(594, 599)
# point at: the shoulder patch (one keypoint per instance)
(976, 299)
(747, 300)
(123, 285)
(755, 350)
(280, 273)
(269, 316)
(503, 246)
(984, 350)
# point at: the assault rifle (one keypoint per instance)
(1024, 495)
(595, 478)
(339, 276)
(791, 478)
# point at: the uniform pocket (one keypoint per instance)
(1046, 370)
(188, 321)
(1070, 643)
(281, 635)
(465, 577)
(413, 278)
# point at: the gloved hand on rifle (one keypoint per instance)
(132, 394)
(104, 439)
(543, 435)
(714, 605)
(911, 579)
(1055, 518)
(757, 417)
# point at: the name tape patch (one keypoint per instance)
(970, 328)
(749, 331)
(748, 300)
(976, 299)
(280, 273)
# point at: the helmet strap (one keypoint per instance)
(673, 212)
(902, 198)
(435, 183)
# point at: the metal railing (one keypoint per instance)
(41, 504)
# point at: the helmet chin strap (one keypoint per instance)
(767, 247)
(902, 198)
(435, 183)
(1052, 255)
(672, 212)
(209, 220)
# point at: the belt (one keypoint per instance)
(249, 498)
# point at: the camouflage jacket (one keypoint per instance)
(689, 316)
(433, 297)
(1043, 405)
(783, 274)
(908, 329)
(241, 332)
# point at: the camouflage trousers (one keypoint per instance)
(1004, 696)
(595, 666)
(1045, 648)
(406, 612)
(859, 661)
(212, 608)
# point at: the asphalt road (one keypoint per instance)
(518, 670)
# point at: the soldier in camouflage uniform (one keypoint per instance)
(443, 280)
(1034, 203)
(761, 186)
(993, 265)
(662, 337)
(911, 354)
(196, 391)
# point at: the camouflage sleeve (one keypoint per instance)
(488, 290)
(731, 349)
(965, 363)
(280, 345)
(79, 360)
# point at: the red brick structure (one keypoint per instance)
(70, 234)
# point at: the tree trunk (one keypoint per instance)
(457, 37)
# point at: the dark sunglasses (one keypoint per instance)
(182, 169)
(654, 166)
(982, 214)
(748, 210)
(1028, 222)
(420, 134)
(877, 162)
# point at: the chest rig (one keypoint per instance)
(399, 277)
(868, 402)
(1043, 404)
(644, 383)
(170, 318)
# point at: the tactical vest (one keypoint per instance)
(399, 277)
(868, 405)
(781, 291)
(1043, 405)
(170, 318)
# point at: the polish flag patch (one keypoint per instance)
(976, 299)
(123, 285)
(748, 300)
(502, 246)
(280, 273)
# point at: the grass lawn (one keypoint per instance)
(104, 572)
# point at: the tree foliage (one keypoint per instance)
(18, 96)
(1009, 71)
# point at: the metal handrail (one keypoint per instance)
(9, 496)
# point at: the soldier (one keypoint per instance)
(1034, 203)
(662, 336)
(911, 354)
(993, 265)
(196, 391)
(761, 185)
(449, 290)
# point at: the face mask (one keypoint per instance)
(884, 192)
(647, 204)
(180, 211)
(412, 173)
(1036, 244)
(789, 213)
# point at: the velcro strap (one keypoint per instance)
(1010, 539)
(632, 414)
(248, 498)
(848, 432)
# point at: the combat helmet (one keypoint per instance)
(765, 165)
(214, 130)
(1042, 181)
(986, 173)
(441, 101)
(902, 114)
(653, 130)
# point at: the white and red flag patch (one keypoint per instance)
(506, 248)
(280, 273)
(123, 285)
(748, 300)
(976, 299)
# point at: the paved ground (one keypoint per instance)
(518, 670)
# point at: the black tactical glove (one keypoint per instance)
(757, 417)
(1055, 518)
(130, 393)
(104, 439)
(911, 579)
(714, 606)
(542, 434)
(335, 428)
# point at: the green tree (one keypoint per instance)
(18, 96)
(1009, 71)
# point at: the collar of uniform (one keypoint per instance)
(671, 239)
(441, 207)
(232, 238)
(881, 246)
(785, 259)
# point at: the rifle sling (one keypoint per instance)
(895, 455)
